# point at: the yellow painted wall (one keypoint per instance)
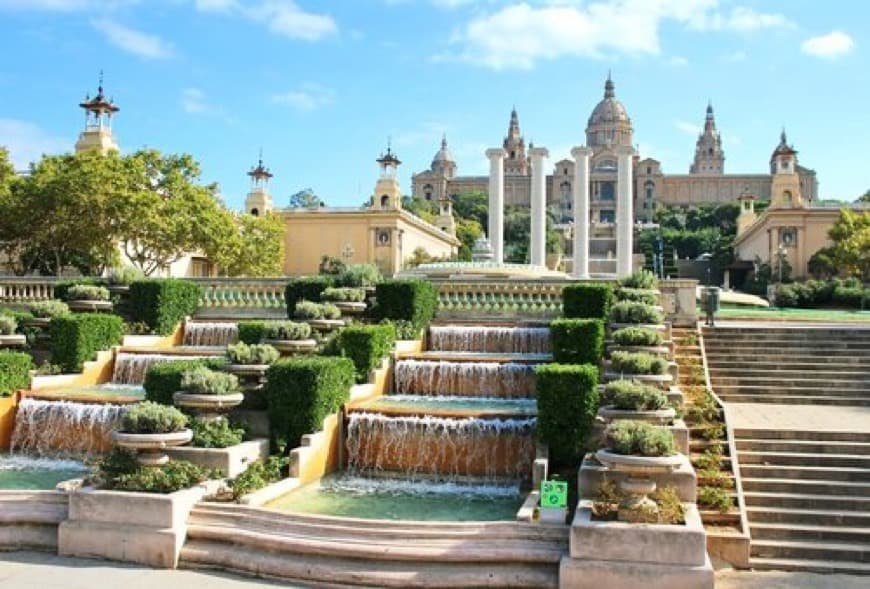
(8, 407)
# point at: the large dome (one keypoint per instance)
(443, 154)
(609, 124)
(609, 110)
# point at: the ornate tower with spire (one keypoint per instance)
(97, 135)
(785, 187)
(388, 192)
(709, 157)
(443, 163)
(259, 200)
(516, 163)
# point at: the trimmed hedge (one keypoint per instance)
(820, 293)
(638, 313)
(587, 300)
(75, 339)
(164, 379)
(301, 392)
(622, 362)
(567, 403)
(407, 300)
(366, 346)
(577, 341)
(638, 295)
(251, 332)
(305, 289)
(162, 303)
(14, 372)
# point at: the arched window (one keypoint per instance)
(786, 197)
(385, 202)
(649, 190)
(255, 212)
(607, 191)
(427, 192)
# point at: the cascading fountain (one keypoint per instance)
(479, 338)
(210, 333)
(488, 379)
(131, 368)
(64, 428)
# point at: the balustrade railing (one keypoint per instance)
(543, 299)
(229, 293)
(26, 290)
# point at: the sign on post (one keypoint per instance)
(554, 494)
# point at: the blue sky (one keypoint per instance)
(321, 85)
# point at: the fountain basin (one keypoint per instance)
(19, 472)
(98, 393)
(449, 406)
(485, 379)
(207, 403)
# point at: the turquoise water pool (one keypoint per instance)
(97, 391)
(25, 473)
(352, 496)
(435, 404)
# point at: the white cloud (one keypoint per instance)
(687, 127)
(27, 142)
(133, 41)
(519, 35)
(309, 96)
(62, 5)
(831, 46)
(282, 17)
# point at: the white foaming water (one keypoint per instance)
(132, 368)
(64, 428)
(477, 338)
(356, 485)
(17, 462)
(473, 379)
(210, 333)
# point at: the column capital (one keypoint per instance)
(624, 150)
(539, 152)
(581, 151)
(496, 153)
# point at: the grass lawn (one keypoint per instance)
(772, 313)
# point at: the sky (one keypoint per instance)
(322, 86)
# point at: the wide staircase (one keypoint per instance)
(805, 475)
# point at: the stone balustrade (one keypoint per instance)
(26, 290)
(231, 293)
(508, 298)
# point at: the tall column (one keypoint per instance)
(581, 212)
(624, 212)
(538, 245)
(496, 203)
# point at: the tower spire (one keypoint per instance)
(608, 87)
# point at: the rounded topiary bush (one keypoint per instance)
(632, 312)
(48, 309)
(627, 395)
(309, 310)
(256, 354)
(641, 279)
(637, 363)
(639, 438)
(343, 295)
(8, 325)
(286, 330)
(360, 275)
(87, 292)
(637, 336)
(153, 418)
(638, 295)
(201, 380)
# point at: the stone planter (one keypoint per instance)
(637, 485)
(37, 322)
(662, 351)
(150, 447)
(325, 324)
(89, 306)
(231, 461)
(677, 473)
(662, 381)
(119, 289)
(658, 417)
(12, 340)
(296, 346)
(350, 308)
(247, 370)
(207, 407)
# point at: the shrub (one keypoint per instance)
(634, 396)
(8, 325)
(242, 353)
(366, 346)
(85, 292)
(343, 295)
(715, 498)
(124, 275)
(286, 330)
(14, 371)
(309, 310)
(61, 288)
(639, 438)
(164, 379)
(48, 309)
(637, 336)
(407, 300)
(215, 433)
(631, 312)
(358, 275)
(258, 475)
(577, 341)
(637, 363)
(305, 289)
(852, 297)
(587, 300)
(171, 477)
(641, 279)
(638, 295)
(19, 316)
(164, 302)
(404, 329)
(301, 392)
(153, 418)
(251, 332)
(671, 510)
(567, 403)
(75, 339)
(201, 380)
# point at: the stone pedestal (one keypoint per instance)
(538, 245)
(496, 203)
(679, 301)
(231, 461)
(592, 473)
(581, 212)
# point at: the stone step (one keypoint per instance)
(804, 459)
(762, 364)
(778, 354)
(791, 381)
(820, 517)
(788, 332)
(809, 532)
(807, 435)
(787, 372)
(824, 473)
(810, 566)
(783, 390)
(807, 501)
(786, 345)
(796, 400)
(813, 447)
(836, 551)
(813, 487)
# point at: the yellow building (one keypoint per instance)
(382, 234)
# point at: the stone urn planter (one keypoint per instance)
(207, 407)
(663, 381)
(37, 322)
(639, 484)
(290, 346)
(12, 340)
(87, 306)
(150, 447)
(658, 416)
(662, 351)
(248, 370)
(350, 308)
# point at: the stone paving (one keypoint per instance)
(798, 417)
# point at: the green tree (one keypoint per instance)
(864, 197)
(425, 209)
(256, 249)
(467, 231)
(305, 199)
(473, 204)
(850, 235)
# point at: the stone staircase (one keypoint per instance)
(796, 365)
(807, 498)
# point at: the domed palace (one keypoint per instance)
(609, 126)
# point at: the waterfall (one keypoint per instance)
(476, 338)
(210, 333)
(64, 428)
(440, 448)
(476, 379)
(131, 368)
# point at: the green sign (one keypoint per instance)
(554, 494)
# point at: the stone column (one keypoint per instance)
(538, 245)
(581, 212)
(496, 203)
(624, 212)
